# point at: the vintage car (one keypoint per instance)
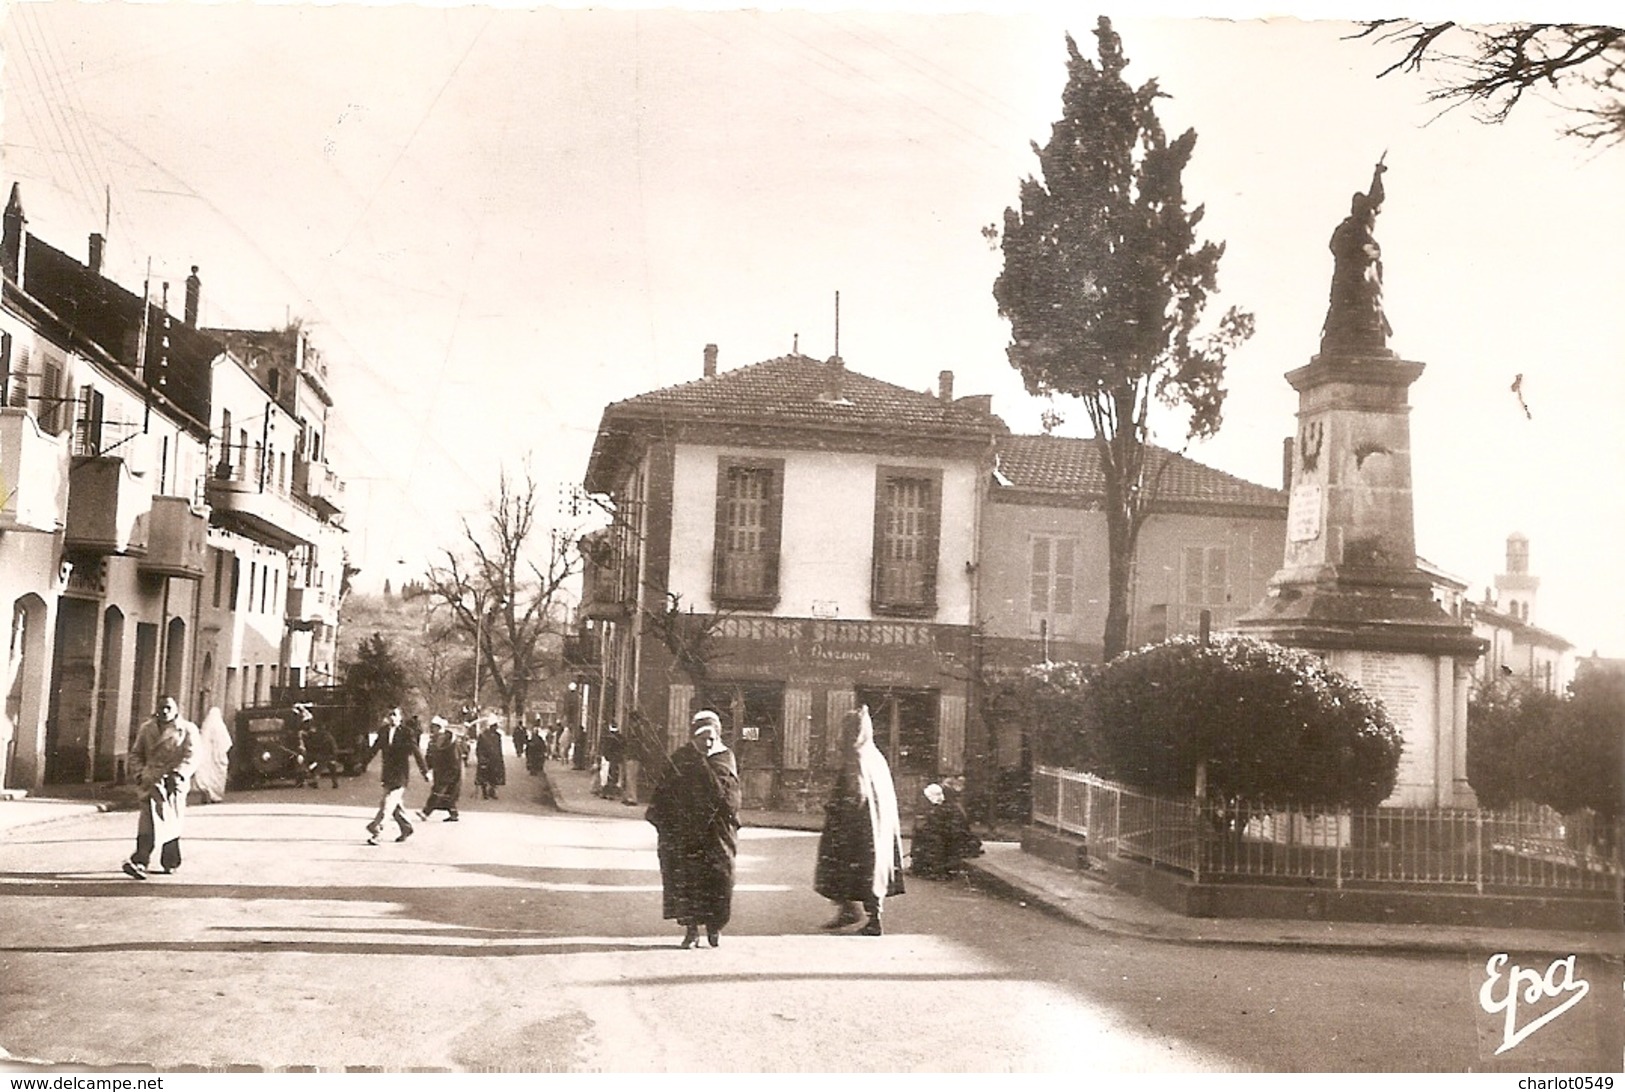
(266, 745)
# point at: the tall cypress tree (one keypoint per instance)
(1104, 284)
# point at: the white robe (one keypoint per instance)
(214, 757)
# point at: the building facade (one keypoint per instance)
(1208, 548)
(143, 550)
(104, 608)
(791, 540)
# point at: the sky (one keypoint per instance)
(494, 221)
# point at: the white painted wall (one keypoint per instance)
(827, 541)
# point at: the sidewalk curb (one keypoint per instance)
(996, 881)
(70, 810)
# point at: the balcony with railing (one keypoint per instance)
(318, 484)
(108, 507)
(312, 604)
(253, 497)
(33, 475)
(177, 539)
(604, 596)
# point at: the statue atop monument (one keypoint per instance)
(1355, 321)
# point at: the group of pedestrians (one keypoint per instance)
(695, 813)
(694, 809)
(442, 764)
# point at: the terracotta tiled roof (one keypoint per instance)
(1071, 467)
(794, 390)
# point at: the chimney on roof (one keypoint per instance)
(1286, 463)
(194, 288)
(835, 374)
(710, 361)
(98, 249)
(945, 386)
(16, 232)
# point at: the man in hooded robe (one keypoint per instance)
(860, 853)
(695, 812)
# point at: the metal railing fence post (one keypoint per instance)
(1478, 850)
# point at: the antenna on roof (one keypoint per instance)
(795, 344)
(837, 324)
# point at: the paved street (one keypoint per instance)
(521, 939)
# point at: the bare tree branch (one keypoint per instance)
(1492, 67)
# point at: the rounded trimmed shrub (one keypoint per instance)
(1273, 724)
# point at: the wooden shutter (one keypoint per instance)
(797, 728)
(837, 703)
(20, 381)
(678, 700)
(951, 734)
(50, 405)
(933, 538)
(772, 537)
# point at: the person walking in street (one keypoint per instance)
(612, 752)
(445, 770)
(490, 769)
(860, 853)
(162, 759)
(398, 745)
(321, 751)
(695, 813)
(536, 751)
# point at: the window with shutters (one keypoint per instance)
(88, 429)
(19, 386)
(750, 503)
(1207, 576)
(225, 461)
(50, 404)
(1052, 580)
(908, 506)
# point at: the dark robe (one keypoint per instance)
(695, 810)
(446, 763)
(851, 853)
(489, 766)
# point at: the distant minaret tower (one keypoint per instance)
(1515, 589)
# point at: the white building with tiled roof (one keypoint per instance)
(791, 539)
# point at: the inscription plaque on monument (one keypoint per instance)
(1303, 514)
(1403, 682)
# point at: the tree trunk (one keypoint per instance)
(1122, 531)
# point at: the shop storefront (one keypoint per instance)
(781, 686)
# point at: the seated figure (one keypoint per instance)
(942, 838)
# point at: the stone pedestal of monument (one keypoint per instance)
(1350, 588)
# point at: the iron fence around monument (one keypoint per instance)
(1529, 848)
